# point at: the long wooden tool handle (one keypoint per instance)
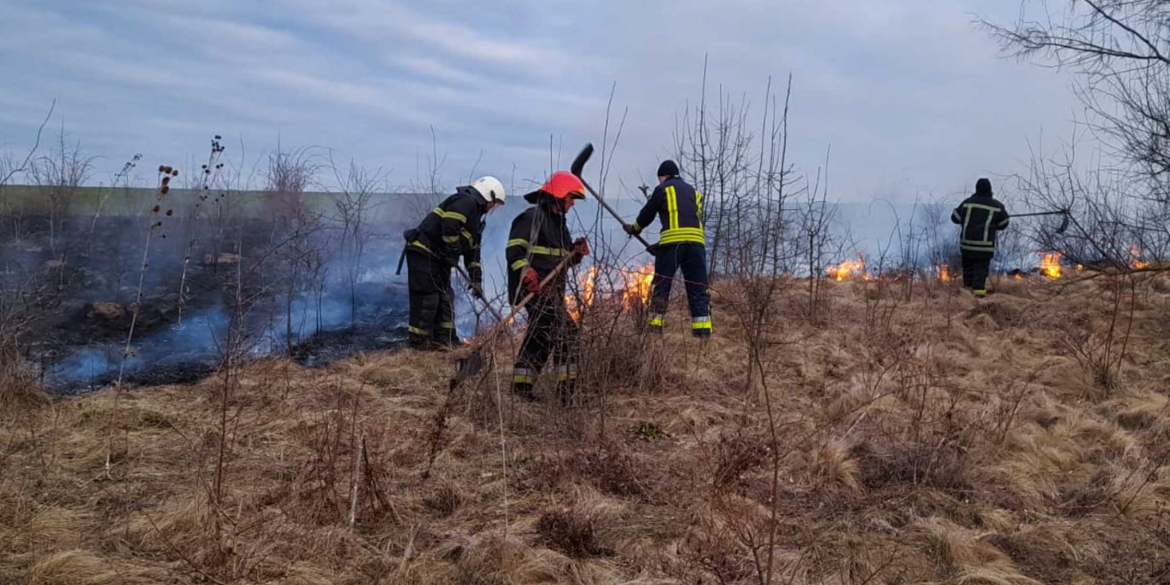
(520, 306)
(543, 283)
(578, 168)
(611, 211)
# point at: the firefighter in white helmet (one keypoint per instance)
(452, 230)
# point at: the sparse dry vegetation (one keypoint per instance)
(972, 448)
(843, 427)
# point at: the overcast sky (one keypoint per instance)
(913, 97)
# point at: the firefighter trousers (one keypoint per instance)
(432, 301)
(691, 259)
(976, 267)
(551, 333)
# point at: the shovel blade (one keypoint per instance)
(468, 366)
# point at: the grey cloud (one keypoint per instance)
(910, 95)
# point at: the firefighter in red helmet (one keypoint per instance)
(538, 243)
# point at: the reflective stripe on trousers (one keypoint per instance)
(523, 376)
(566, 372)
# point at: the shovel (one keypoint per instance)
(577, 167)
(471, 365)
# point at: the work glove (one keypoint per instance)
(579, 252)
(631, 229)
(581, 247)
(531, 281)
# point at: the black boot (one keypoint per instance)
(419, 342)
(524, 392)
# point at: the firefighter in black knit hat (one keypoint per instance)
(682, 246)
(981, 217)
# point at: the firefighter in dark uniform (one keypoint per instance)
(538, 243)
(453, 230)
(682, 245)
(981, 217)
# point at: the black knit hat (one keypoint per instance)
(983, 187)
(668, 169)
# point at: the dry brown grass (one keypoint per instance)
(936, 440)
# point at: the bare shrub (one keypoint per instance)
(353, 205)
(11, 167)
(58, 177)
(1101, 349)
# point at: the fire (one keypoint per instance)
(637, 289)
(1135, 253)
(944, 273)
(846, 269)
(1050, 265)
(1018, 276)
(588, 284)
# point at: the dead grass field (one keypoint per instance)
(938, 440)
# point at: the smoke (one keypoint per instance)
(297, 294)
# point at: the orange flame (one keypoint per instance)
(637, 286)
(1050, 265)
(944, 273)
(588, 284)
(847, 269)
(1019, 276)
(634, 291)
(1135, 253)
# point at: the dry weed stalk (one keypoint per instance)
(155, 216)
(202, 186)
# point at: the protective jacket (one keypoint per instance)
(540, 240)
(680, 209)
(981, 218)
(454, 229)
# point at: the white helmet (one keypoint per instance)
(490, 188)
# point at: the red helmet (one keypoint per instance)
(561, 185)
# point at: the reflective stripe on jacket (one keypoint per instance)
(454, 229)
(981, 218)
(540, 240)
(679, 207)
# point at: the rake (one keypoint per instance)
(1064, 219)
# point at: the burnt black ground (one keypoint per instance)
(70, 298)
